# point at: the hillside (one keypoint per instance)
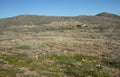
(109, 15)
(39, 20)
(59, 46)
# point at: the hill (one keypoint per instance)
(60, 46)
(38, 20)
(109, 15)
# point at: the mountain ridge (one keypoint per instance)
(101, 18)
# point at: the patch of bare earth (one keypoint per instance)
(28, 72)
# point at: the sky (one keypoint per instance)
(9, 8)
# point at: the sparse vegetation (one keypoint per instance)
(41, 46)
(111, 59)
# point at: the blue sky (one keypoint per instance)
(9, 8)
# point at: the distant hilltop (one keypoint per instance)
(105, 14)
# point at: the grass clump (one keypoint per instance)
(17, 60)
(72, 58)
(23, 47)
(57, 65)
(10, 72)
(77, 65)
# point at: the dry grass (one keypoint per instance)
(59, 53)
